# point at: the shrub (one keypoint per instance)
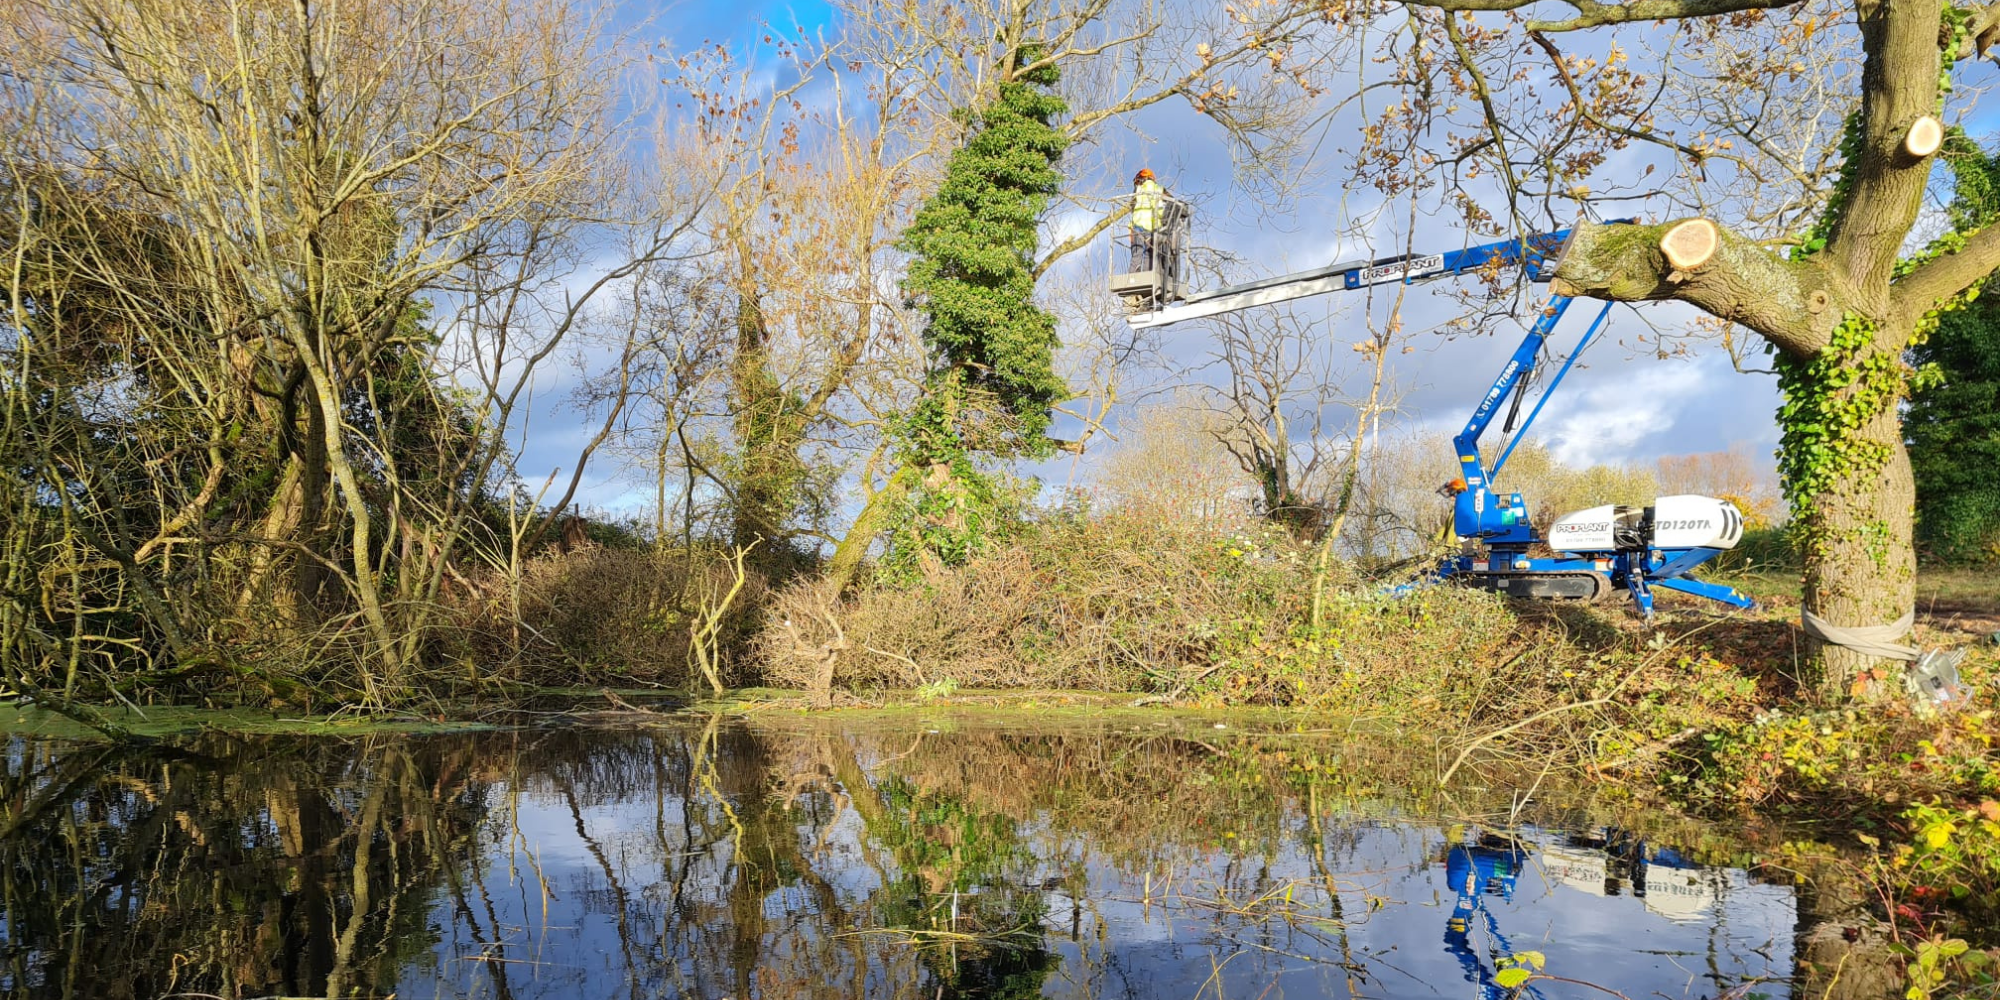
(1125, 602)
(1955, 850)
(1112, 602)
(594, 615)
(1853, 761)
(1430, 654)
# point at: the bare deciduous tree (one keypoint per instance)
(1277, 382)
(369, 222)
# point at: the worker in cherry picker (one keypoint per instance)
(1149, 213)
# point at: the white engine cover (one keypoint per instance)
(1684, 521)
(1689, 521)
(1586, 530)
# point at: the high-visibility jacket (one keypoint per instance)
(1148, 204)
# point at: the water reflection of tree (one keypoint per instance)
(252, 867)
(966, 892)
(986, 828)
(233, 868)
(712, 859)
(782, 925)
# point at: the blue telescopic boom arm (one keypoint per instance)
(1467, 441)
(1537, 255)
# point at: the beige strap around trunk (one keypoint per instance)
(1872, 640)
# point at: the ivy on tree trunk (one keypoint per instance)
(992, 379)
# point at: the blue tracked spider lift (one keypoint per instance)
(1599, 550)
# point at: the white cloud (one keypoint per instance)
(1609, 420)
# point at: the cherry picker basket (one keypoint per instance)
(1148, 267)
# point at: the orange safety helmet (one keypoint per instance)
(1144, 174)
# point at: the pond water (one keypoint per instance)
(920, 857)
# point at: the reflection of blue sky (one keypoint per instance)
(607, 899)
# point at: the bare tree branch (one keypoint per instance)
(1590, 14)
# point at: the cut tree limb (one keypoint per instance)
(1924, 137)
(1690, 244)
(1736, 279)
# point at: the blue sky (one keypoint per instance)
(1622, 404)
(691, 22)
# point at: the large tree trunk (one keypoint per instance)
(1847, 471)
(1860, 566)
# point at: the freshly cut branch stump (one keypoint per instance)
(1926, 135)
(1690, 244)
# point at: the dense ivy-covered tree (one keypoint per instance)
(973, 272)
(1953, 424)
(992, 379)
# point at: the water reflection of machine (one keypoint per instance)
(1483, 865)
(1611, 862)
(1605, 862)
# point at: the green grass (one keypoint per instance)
(1965, 591)
(168, 720)
(1974, 591)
